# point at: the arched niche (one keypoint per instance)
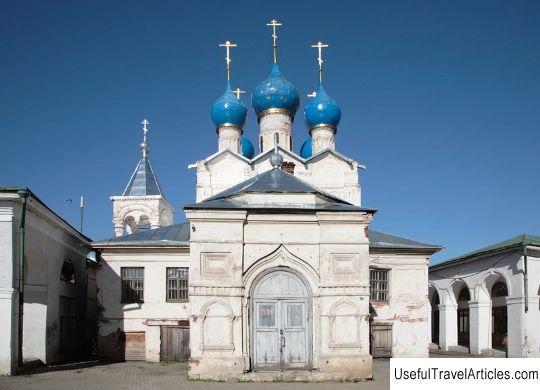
(344, 325)
(217, 327)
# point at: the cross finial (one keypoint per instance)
(144, 145)
(237, 92)
(274, 23)
(227, 45)
(319, 45)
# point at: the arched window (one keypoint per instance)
(464, 295)
(68, 272)
(499, 289)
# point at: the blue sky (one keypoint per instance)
(440, 99)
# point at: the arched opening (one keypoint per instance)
(463, 319)
(435, 302)
(280, 321)
(499, 313)
(67, 274)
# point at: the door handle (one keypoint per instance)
(282, 342)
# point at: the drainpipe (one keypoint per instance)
(525, 276)
(23, 195)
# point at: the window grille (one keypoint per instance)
(378, 280)
(132, 284)
(177, 284)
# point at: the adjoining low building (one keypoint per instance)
(57, 287)
(473, 297)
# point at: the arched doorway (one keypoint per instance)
(435, 317)
(499, 323)
(280, 321)
(463, 322)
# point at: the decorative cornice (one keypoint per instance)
(323, 125)
(229, 126)
(272, 111)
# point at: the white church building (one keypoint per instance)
(276, 274)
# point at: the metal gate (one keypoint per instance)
(174, 343)
(381, 340)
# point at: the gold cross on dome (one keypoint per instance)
(319, 45)
(274, 23)
(228, 46)
(237, 92)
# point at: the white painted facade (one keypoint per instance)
(407, 309)
(57, 314)
(327, 170)
(230, 250)
(115, 316)
(478, 274)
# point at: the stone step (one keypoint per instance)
(494, 353)
(458, 348)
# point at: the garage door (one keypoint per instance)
(135, 346)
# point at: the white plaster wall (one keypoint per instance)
(408, 307)
(47, 247)
(134, 317)
(327, 172)
(8, 290)
(48, 242)
(531, 319)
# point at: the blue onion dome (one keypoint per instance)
(228, 110)
(306, 151)
(322, 110)
(275, 92)
(248, 151)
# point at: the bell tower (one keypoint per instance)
(142, 204)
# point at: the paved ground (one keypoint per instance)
(142, 375)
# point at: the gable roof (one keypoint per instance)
(143, 181)
(274, 181)
(516, 242)
(222, 152)
(172, 235)
(333, 152)
(282, 150)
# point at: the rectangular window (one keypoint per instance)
(378, 284)
(132, 284)
(177, 284)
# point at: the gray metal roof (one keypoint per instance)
(172, 235)
(387, 241)
(179, 234)
(143, 181)
(274, 181)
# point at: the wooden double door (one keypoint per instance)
(281, 323)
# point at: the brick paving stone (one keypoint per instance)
(162, 376)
